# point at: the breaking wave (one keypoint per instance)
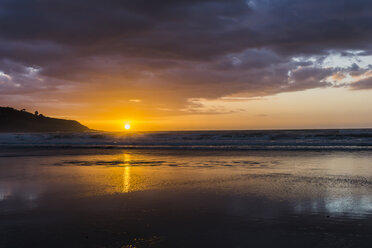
(238, 140)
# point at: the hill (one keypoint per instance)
(12, 120)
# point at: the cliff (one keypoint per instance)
(12, 120)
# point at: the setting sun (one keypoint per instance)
(127, 126)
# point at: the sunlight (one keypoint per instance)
(126, 180)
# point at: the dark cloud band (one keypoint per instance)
(195, 48)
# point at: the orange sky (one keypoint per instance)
(317, 108)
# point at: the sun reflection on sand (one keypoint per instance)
(126, 173)
(126, 180)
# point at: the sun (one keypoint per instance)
(127, 126)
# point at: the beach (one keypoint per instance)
(54, 197)
(186, 124)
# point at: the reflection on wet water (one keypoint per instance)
(126, 173)
(357, 206)
(126, 180)
(5, 192)
(250, 186)
(334, 183)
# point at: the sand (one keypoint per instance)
(156, 198)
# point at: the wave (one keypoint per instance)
(243, 140)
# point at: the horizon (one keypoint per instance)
(131, 129)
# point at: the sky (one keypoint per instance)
(190, 64)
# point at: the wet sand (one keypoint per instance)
(155, 198)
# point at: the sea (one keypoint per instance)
(342, 139)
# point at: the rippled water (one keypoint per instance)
(347, 139)
(174, 198)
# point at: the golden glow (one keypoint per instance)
(316, 108)
(126, 173)
(126, 180)
(127, 126)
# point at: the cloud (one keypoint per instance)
(362, 84)
(167, 52)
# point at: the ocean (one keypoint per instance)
(343, 139)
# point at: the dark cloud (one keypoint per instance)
(362, 84)
(186, 48)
